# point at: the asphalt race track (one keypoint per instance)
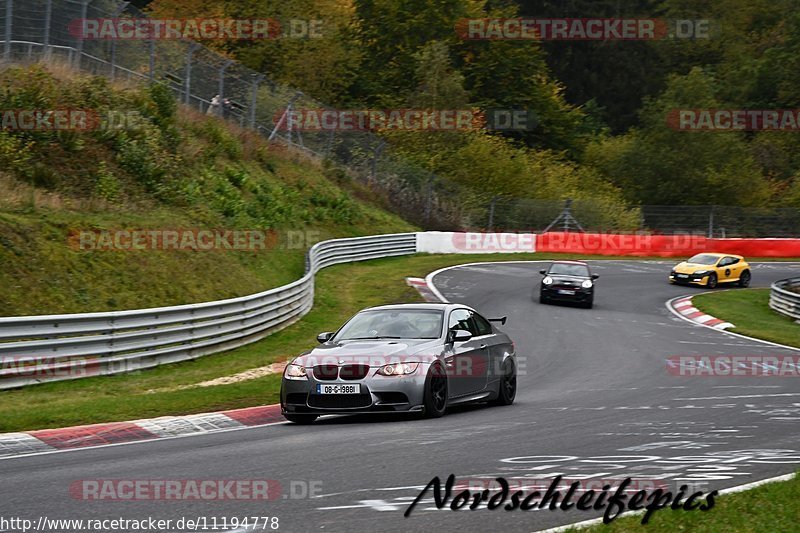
(594, 399)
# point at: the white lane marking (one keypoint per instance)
(737, 344)
(434, 290)
(746, 387)
(742, 396)
(731, 490)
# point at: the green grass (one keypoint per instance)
(769, 508)
(749, 311)
(342, 290)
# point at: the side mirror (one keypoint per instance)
(325, 336)
(595, 276)
(543, 272)
(459, 335)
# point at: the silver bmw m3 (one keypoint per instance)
(402, 358)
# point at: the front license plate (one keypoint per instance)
(683, 275)
(338, 389)
(565, 291)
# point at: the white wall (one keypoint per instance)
(448, 242)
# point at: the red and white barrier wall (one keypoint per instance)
(600, 244)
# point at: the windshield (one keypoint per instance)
(704, 259)
(568, 269)
(393, 324)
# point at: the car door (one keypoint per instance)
(467, 359)
(736, 266)
(725, 268)
(491, 357)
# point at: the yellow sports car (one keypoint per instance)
(709, 269)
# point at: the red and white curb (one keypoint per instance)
(684, 307)
(54, 440)
(424, 289)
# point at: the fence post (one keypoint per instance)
(254, 100)
(711, 223)
(284, 116)
(429, 199)
(48, 14)
(9, 26)
(152, 60)
(79, 51)
(117, 13)
(491, 213)
(376, 153)
(187, 75)
(221, 84)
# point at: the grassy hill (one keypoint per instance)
(169, 167)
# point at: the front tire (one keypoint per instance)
(712, 281)
(543, 299)
(435, 400)
(302, 419)
(508, 386)
(744, 279)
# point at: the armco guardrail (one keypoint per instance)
(784, 297)
(36, 349)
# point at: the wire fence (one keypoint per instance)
(45, 30)
(49, 30)
(713, 221)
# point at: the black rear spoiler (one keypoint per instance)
(502, 320)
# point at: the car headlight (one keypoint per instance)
(547, 280)
(702, 273)
(294, 371)
(398, 369)
(587, 284)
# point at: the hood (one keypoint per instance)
(684, 267)
(371, 352)
(568, 279)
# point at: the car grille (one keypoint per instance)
(564, 285)
(352, 372)
(326, 372)
(346, 372)
(339, 401)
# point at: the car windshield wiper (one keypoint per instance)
(370, 338)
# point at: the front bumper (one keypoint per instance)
(398, 394)
(690, 279)
(580, 294)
